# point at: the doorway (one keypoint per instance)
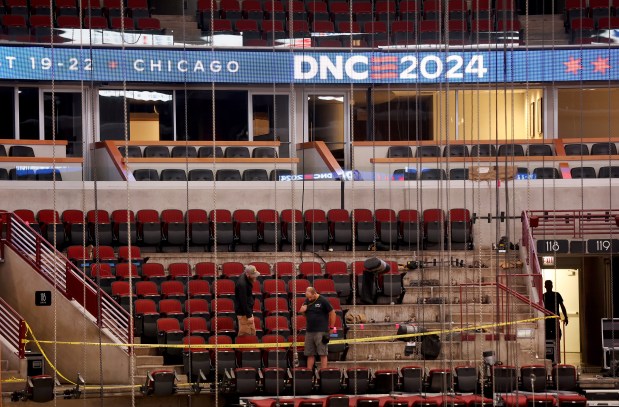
(326, 121)
(566, 282)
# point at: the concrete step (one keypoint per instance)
(399, 363)
(395, 350)
(435, 312)
(142, 370)
(146, 351)
(14, 378)
(148, 360)
(400, 256)
(141, 378)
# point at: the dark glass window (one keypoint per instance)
(142, 106)
(29, 113)
(68, 120)
(230, 115)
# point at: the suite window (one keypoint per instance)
(150, 115)
(196, 109)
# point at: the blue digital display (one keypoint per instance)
(397, 67)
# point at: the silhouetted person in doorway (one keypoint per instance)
(552, 302)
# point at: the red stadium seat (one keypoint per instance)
(276, 356)
(292, 223)
(429, 31)
(434, 227)
(340, 227)
(223, 325)
(386, 10)
(173, 227)
(147, 290)
(223, 307)
(248, 357)
(199, 229)
(95, 22)
(296, 8)
(180, 271)
(126, 254)
(225, 232)
(277, 325)
(230, 10)
(245, 227)
(101, 273)
(300, 29)
(299, 324)
(339, 11)
(169, 333)
(410, 227)
(317, 11)
(297, 287)
(104, 254)
(273, 29)
(249, 28)
(338, 272)
(232, 270)
(50, 224)
(310, 270)
(197, 307)
(404, 31)
(226, 357)
(124, 226)
(196, 326)
(325, 287)
(273, 288)
(252, 10)
(40, 24)
(171, 308)
(149, 227)
(126, 270)
(146, 316)
(460, 229)
(138, 9)
(75, 230)
(276, 306)
(112, 8)
(122, 23)
(363, 11)
(223, 288)
(316, 227)
(154, 272)
(274, 10)
(99, 226)
(206, 270)
(199, 289)
(65, 8)
(173, 290)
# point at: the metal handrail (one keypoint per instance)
(68, 279)
(574, 223)
(13, 328)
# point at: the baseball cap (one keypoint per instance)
(251, 271)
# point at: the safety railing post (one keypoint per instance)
(22, 339)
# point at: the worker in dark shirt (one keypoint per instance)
(320, 317)
(552, 302)
(244, 301)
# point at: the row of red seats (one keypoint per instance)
(111, 8)
(39, 25)
(334, 280)
(586, 30)
(362, 11)
(245, 229)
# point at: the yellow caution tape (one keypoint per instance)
(239, 346)
(13, 380)
(290, 344)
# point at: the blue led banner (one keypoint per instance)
(255, 67)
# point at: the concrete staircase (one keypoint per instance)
(13, 376)
(183, 28)
(544, 30)
(466, 314)
(147, 360)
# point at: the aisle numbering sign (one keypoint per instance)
(43, 298)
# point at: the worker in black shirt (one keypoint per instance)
(320, 317)
(244, 301)
(552, 302)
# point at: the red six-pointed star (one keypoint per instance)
(573, 65)
(601, 65)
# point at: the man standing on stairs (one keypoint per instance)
(244, 301)
(320, 317)
(552, 302)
